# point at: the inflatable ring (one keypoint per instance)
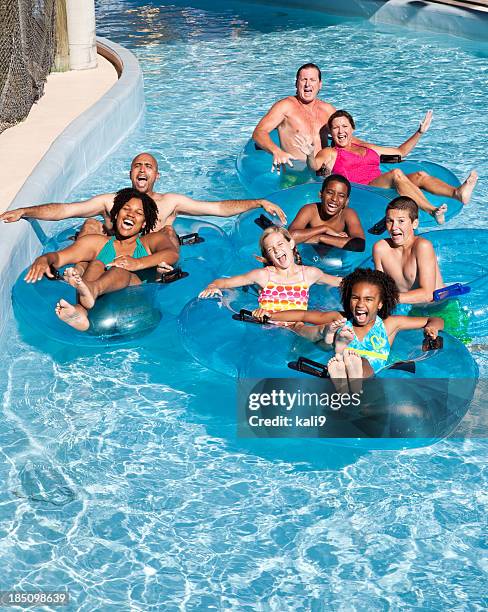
(463, 261)
(122, 316)
(369, 205)
(254, 170)
(249, 351)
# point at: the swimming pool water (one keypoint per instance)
(122, 478)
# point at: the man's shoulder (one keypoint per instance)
(326, 107)
(285, 103)
(422, 245)
(382, 246)
(164, 199)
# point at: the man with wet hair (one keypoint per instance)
(143, 174)
(302, 113)
(409, 259)
(330, 221)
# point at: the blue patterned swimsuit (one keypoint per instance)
(375, 346)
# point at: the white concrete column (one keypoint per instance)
(81, 34)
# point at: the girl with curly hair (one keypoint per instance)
(362, 334)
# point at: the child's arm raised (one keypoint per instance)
(257, 276)
(431, 325)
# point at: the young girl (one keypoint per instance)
(284, 281)
(363, 333)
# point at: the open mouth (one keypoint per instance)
(141, 181)
(127, 224)
(281, 259)
(361, 316)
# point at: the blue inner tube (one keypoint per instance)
(125, 315)
(463, 258)
(436, 386)
(369, 205)
(254, 170)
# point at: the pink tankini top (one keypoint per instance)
(356, 168)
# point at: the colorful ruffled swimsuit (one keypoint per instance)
(276, 297)
(356, 168)
(375, 346)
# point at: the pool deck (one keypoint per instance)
(67, 95)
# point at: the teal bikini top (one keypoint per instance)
(108, 254)
(375, 346)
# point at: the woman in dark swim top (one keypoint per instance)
(114, 263)
(361, 164)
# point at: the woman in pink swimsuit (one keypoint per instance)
(361, 164)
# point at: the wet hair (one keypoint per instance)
(340, 179)
(386, 285)
(404, 203)
(341, 113)
(309, 65)
(148, 204)
(286, 234)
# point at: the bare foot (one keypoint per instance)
(343, 338)
(72, 315)
(354, 370)
(463, 193)
(337, 374)
(72, 276)
(332, 329)
(439, 214)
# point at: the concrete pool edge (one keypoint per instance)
(73, 155)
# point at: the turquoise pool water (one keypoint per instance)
(123, 480)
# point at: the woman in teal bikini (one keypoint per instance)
(363, 333)
(114, 262)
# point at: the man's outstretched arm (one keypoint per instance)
(183, 205)
(55, 212)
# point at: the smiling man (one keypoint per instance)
(330, 221)
(143, 175)
(302, 113)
